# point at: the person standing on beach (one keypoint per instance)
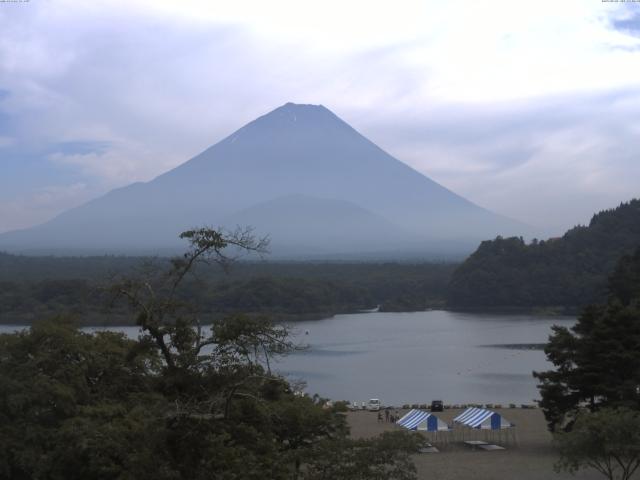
(386, 414)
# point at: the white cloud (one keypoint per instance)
(118, 165)
(158, 81)
(551, 165)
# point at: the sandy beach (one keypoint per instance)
(532, 457)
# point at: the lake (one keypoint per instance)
(420, 356)
(417, 357)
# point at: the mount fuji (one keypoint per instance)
(299, 174)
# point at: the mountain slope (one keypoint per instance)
(301, 222)
(295, 149)
(568, 272)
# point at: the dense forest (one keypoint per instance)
(560, 273)
(38, 287)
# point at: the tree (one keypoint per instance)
(73, 404)
(183, 401)
(598, 360)
(384, 458)
(607, 440)
(565, 273)
(155, 295)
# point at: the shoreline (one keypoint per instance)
(507, 406)
(118, 321)
(532, 457)
(542, 310)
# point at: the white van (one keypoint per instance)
(373, 405)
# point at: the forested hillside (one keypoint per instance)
(33, 288)
(567, 272)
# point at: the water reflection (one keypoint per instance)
(416, 357)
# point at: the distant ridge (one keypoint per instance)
(267, 173)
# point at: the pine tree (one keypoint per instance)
(598, 360)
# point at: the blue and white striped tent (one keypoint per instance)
(424, 421)
(482, 419)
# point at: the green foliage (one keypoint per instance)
(287, 296)
(285, 291)
(384, 458)
(607, 440)
(568, 272)
(180, 402)
(79, 406)
(63, 393)
(598, 360)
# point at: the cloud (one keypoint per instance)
(628, 22)
(41, 205)
(550, 163)
(114, 164)
(489, 100)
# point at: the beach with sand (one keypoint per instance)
(532, 458)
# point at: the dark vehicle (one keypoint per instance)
(437, 406)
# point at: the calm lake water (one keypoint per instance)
(417, 357)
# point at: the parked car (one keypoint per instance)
(373, 405)
(437, 406)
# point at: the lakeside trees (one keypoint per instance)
(180, 402)
(598, 360)
(607, 440)
(592, 399)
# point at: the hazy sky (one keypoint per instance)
(531, 109)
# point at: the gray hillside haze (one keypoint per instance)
(298, 174)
